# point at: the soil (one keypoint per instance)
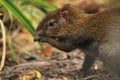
(60, 66)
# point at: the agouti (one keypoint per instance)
(97, 34)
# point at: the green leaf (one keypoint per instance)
(41, 3)
(17, 13)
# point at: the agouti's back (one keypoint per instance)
(110, 45)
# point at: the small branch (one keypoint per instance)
(4, 45)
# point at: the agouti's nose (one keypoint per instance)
(36, 38)
(37, 35)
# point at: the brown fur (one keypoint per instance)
(95, 34)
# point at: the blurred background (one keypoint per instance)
(20, 20)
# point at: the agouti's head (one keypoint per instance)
(59, 24)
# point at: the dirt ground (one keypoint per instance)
(61, 66)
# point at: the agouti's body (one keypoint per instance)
(96, 34)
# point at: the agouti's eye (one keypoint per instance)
(51, 23)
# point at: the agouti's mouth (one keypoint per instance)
(45, 39)
(58, 38)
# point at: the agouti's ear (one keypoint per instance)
(64, 13)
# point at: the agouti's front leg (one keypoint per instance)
(88, 62)
(91, 54)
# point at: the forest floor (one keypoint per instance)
(60, 66)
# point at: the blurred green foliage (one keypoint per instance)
(18, 9)
(27, 12)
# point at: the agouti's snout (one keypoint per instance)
(36, 38)
(37, 35)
